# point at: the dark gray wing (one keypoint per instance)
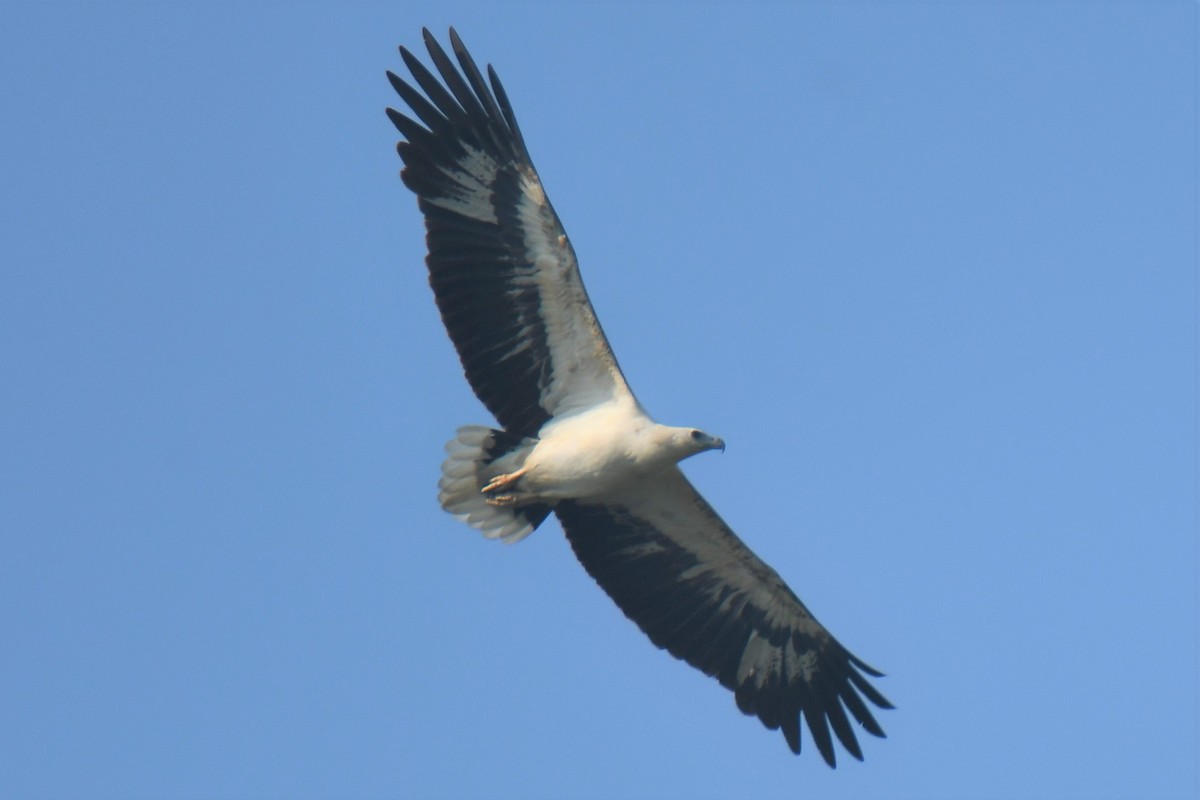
(678, 571)
(502, 270)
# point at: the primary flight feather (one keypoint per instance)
(573, 438)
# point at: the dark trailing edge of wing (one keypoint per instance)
(688, 609)
(476, 263)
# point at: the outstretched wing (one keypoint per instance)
(501, 267)
(677, 570)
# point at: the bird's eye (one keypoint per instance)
(697, 435)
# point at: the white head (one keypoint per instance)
(686, 442)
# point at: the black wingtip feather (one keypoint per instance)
(869, 691)
(858, 709)
(454, 81)
(395, 116)
(842, 728)
(506, 109)
(437, 94)
(864, 666)
(791, 732)
(819, 728)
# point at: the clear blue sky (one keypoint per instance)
(930, 270)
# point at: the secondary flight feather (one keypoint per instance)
(573, 439)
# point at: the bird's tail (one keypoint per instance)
(476, 456)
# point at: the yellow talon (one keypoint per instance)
(502, 482)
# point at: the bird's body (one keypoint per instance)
(598, 452)
(592, 454)
(573, 438)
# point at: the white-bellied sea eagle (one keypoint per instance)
(573, 438)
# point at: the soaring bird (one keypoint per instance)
(573, 439)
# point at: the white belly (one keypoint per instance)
(589, 455)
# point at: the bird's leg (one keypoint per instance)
(501, 482)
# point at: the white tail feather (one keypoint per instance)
(467, 470)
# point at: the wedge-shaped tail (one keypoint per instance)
(477, 455)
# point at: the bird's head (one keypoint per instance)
(690, 441)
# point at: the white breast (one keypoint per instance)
(589, 454)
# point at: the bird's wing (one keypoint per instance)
(502, 269)
(677, 570)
